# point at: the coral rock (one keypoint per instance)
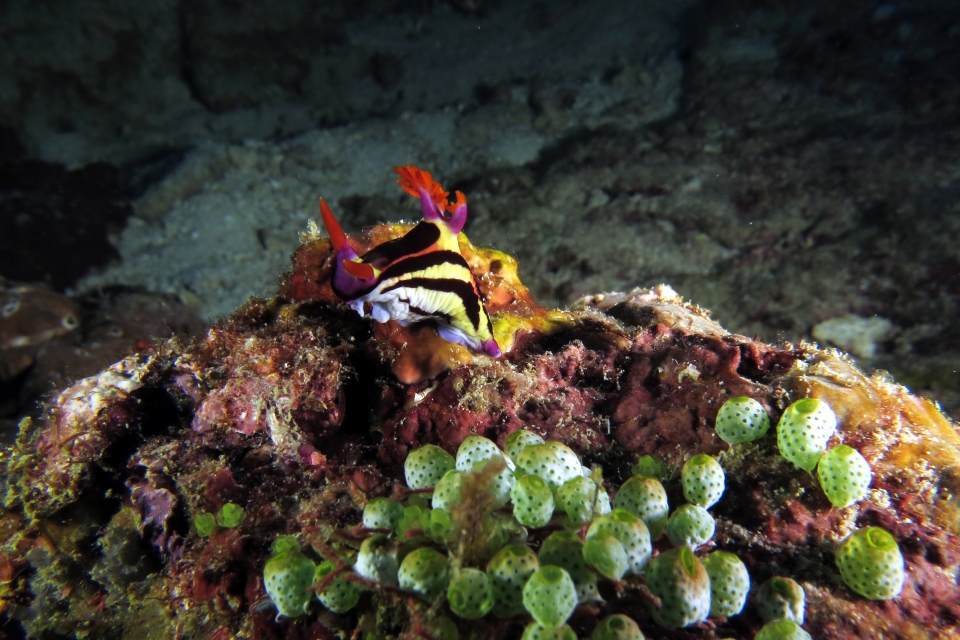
(291, 410)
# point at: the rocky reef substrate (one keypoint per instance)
(300, 412)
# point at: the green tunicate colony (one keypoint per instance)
(869, 560)
(489, 500)
(460, 537)
(690, 588)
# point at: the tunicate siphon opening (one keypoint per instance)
(880, 539)
(688, 561)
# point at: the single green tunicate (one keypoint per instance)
(424, 467)
(519, 439)
(681, 583)
(377, 560)
(446, 493)
(436, 523)
(425, 572)
(230, 516)
(564, 549)
(844, 475)
(606, 555)
(579, 499)
(703, 480)
(286, 578)
(508, 571)
(649, 467)
(500, 478)
(409, 524)
(632, 534)
(871, 564)
(729, 583)
(476, 449)
(690, 526)
(781, 597)
(541, 461)
(782, 630)
(550, 596)
(617, 627)
(572, 467)
(804, 430)
(481, 455)
(532, 501)
(205, 523)
(339, 594)
(536, 631)
(741, 419)
(470, 594)
(645, 497)
(382, 513)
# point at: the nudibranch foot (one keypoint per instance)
(454, 335)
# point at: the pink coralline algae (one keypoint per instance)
(287, 385)
(300, 412)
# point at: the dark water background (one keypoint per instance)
(784, 164)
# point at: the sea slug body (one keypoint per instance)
(420, 276)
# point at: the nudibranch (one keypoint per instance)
(419, 276)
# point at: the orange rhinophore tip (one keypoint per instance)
(459, 201)
(358, 269)
(337, 236)
(413, 179)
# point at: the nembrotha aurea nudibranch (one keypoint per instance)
(419, 276)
